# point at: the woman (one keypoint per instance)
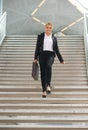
(45, 51)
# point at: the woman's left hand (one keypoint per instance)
(62, 62)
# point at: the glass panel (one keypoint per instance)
(2, 27)
(86, 38)
(1, 7)
(84, 3)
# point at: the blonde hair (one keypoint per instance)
(49, 23)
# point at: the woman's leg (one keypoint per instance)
(46, 60)
(48, 75)
(50, 61)
(42, 63)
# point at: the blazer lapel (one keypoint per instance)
(42, 40)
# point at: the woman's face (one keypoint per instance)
(48, 29)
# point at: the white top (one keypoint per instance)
(48, 43)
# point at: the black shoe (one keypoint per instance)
(44, 94)
(48, 91)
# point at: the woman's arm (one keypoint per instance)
(58, 52)
(37, 49)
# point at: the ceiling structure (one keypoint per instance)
(83, 3)
(27, 17)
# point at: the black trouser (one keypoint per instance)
(46, 60)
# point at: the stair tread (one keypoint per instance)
(44, 125)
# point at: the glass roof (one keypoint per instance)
(84, 3)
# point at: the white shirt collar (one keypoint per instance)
(47, 35)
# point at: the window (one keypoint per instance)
(82, 5)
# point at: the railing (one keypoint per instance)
(2, 27)
(86, 38)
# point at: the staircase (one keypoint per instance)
(21, 104)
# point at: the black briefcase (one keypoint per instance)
(35, 70)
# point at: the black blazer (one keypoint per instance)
(39, 47)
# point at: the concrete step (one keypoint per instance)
(32, 53)
(34, 39)
(45, 108)
(45, 126)
(37, 89)
(17, 63)
(38, 94)
(33, 49)
(38, 108)
(24, 58)
(48, 100)
(70, 60)
(9, 75)
(44, 119)
(63, 44)
(19, 45)
(55, 79)
(21, 84)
